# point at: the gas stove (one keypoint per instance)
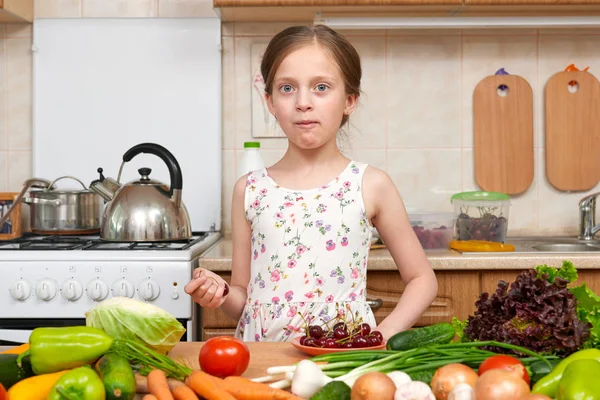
(55, 280)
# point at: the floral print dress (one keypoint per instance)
(309, 255)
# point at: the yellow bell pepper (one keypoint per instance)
(34, 388)
(480, 246)
(17, 350)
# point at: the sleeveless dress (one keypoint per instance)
(309, 255)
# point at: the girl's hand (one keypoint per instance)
(207, 288)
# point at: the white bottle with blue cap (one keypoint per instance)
(251, 159)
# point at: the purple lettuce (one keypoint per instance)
(532, 313)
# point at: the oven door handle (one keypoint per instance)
(15, 335)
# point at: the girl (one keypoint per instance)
(301, 229)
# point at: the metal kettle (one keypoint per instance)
(144, 210)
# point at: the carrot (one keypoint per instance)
(245, 389)
(184, 393)
(149, 397)
(158, 385)
(207, 386)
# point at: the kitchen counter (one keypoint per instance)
(218, 259)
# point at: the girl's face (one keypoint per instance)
(309, 97)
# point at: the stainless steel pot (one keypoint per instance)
(65, 211)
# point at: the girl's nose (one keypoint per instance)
(303, 101)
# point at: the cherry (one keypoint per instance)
(373, 341)
(360, 341)
(378, 335)
(348, 345)
(302, 339)
(365, 328)
(315, 331)
(320, 342)
(340, 325)
(331, 343)
(340, 333)
(310, 342)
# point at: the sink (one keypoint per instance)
(566, 247)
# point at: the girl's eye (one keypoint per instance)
(286, 88)
(321, 87)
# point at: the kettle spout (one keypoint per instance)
(104, 187)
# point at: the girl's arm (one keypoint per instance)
(388, 215)
(240, 261)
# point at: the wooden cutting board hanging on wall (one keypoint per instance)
(573, 131)
(503, 134)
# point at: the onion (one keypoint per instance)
(448, 376)
(373, 385)
(499, 384)
(536, 397)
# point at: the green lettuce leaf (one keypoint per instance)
(588, 310)
(567, 271)
(459, 330)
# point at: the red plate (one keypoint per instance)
(315, 351)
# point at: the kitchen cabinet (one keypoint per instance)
(457, 293)
(16, 11)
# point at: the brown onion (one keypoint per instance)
(499, 384)
(535, 397)
(373, 385)
(448, 376)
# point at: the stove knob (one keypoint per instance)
(123, 288)
(71, 290)
(20, 290)
(149, 290)
(45, 290)
(97, 290)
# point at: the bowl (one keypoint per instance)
(315, 351)
(481, 216)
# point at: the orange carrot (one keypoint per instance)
(158, 385)
(245, 389)
(149, 397)
(184, 393)
(207, 386)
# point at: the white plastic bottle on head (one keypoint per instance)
(251, 159)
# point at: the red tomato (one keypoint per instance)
(224, 356)
(2, 392)
(504, 362)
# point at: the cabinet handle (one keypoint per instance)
(375, 304)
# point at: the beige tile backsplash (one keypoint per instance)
(414, 119)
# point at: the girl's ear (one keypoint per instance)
(270, 104)
(351, 102)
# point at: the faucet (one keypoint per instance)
(587, 217)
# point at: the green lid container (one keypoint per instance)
(252, 145)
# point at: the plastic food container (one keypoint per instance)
(481, 216)
(434, 229)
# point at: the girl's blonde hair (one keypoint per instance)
(292, 38)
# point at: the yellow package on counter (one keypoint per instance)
(480, 245)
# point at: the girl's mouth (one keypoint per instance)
(306, 124)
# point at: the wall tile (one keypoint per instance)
(120, 8)
(423, 81)
(19, 169)
(367, 123)
(3, 171)
(558, 211)
(556, 52)
(426, 178)
(228, 172)
(243, 95)
(15, 31)
(483, 56)
(3, 122)
(19, 93)
(185, 8)
(57, 8)
(523, 213)
(228, 85)
(264, 29)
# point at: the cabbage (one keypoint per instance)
(125, 318)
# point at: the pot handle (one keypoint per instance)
(33, 182)
(35, 200)
(165, 155)
(51, 185)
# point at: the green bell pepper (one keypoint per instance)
(548, 385)
(580, 381)
(57, 349)
(78, 384)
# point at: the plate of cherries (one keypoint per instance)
(322, 339)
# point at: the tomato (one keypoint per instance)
(224, 356)
(507, 363)
(2, 392)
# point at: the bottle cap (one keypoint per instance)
(251, 145)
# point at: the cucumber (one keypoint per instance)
(337, 390)
(441, 333)
(10, 372)
(117, 375)
(538, 369)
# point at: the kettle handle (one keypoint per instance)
(165, 155)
